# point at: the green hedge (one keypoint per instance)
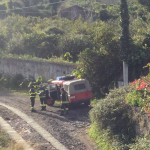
(100, 137)
(135, 98)
(4, 139)
(112, 121)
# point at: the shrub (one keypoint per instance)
(101, 139)
(25, 83)
(113, 116)
(11, 82)
(141, 144)
(135, 98)
(4, 82)
(4, 140)
(16, 80)
(7, 144)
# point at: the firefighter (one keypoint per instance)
(42, 95)
(64, 102)
(32, 98)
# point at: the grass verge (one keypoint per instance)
(6, 143)
(33, 58)
(100, 138)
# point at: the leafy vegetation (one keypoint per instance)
(98, 47)
(141, 95)
(3, 139)
(112, 117)
(6, 143)
(101, 138)
(135, 98)
(40, 33)
(113, 121)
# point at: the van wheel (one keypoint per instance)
(87, 103)
(50, 102)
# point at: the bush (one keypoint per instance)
(141, 144)
(113, 117)
(4, 140)
(15, 82)
(135, 98)
(101, 139)
(11, 82)
(25, 83)
(4, 83)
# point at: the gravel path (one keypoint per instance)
(70, 130)
(26, 132)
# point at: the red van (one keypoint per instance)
(79, 90)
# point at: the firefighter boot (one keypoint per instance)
(62, 113)
(32, 109)
(42, 108)
(66, 111)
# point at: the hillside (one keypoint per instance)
(39, 32)
(46, 8)
(35, 29)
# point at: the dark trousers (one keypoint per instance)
(64, 107)
(32, 101)
(43, 101)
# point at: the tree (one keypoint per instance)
(125, 38)
(101, 65)
(144, 2)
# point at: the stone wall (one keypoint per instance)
(34, 69)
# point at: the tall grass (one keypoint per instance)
(7, 144)
(100, 137)
(54, 59)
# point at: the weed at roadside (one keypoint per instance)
(100, 139)
(7, 144)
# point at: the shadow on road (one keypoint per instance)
(51, 115)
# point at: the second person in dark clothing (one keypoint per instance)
(64, 102)
(32, 98)
(42, 94)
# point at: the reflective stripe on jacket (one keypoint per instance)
(64, 98)
(32, 93)
(42, 92)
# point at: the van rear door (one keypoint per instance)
(80, 90)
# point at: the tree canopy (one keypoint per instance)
(95, 45)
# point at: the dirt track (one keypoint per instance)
(70, 130)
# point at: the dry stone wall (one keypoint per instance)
(34, 69)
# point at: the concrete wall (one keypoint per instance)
(30, 68)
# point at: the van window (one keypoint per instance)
(79, 86)
(66, 88)
(52, 87)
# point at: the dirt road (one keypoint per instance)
(70, 130)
